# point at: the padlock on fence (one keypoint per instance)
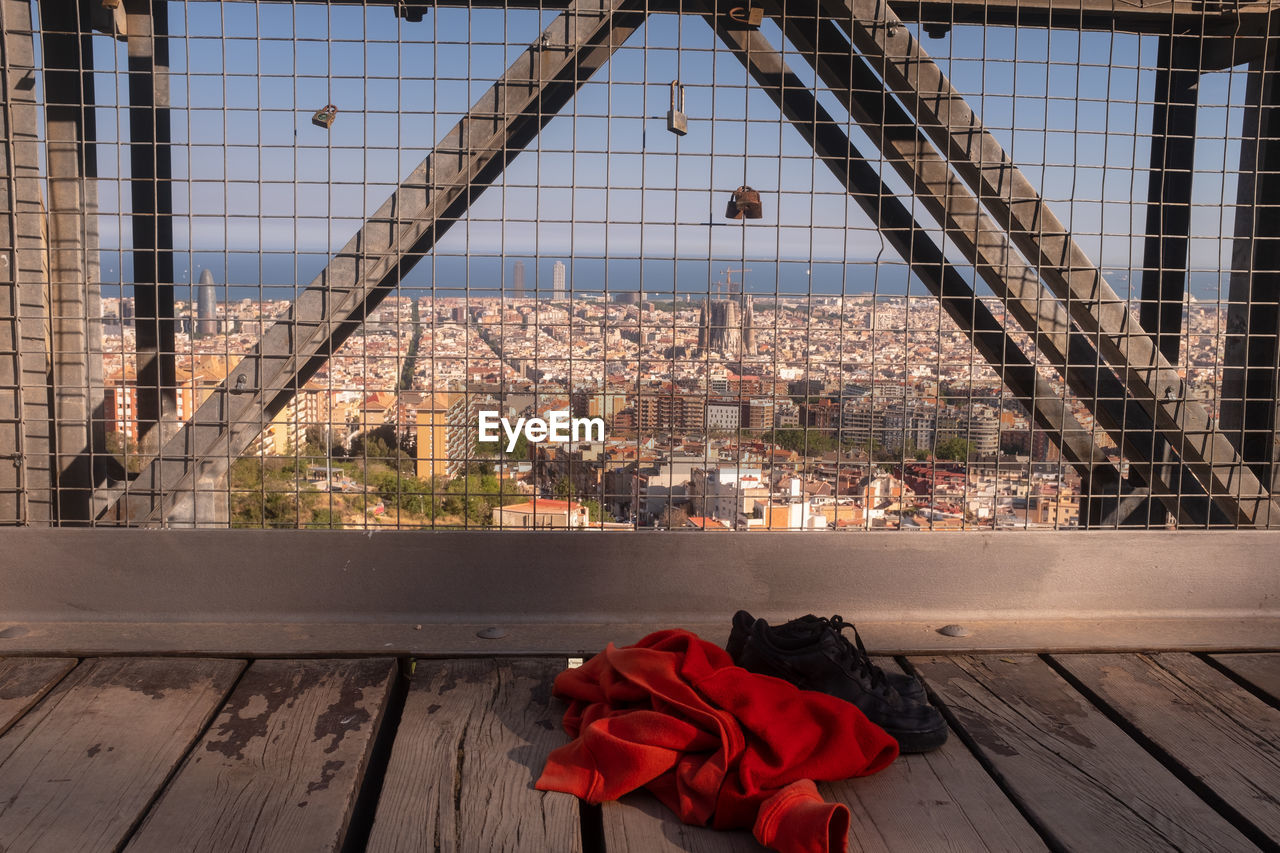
(744, 203)
(324, 116)
(747, 16)
(677, 123)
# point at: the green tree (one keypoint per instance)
(956, 448)
(376, 448)
(474, 496)
(594, 511)
(498, 449)
(126, 450)
(673, 518)
(809, 442)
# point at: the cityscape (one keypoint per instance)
(732, 411)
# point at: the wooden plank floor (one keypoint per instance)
(473, 737)
(1067, 752)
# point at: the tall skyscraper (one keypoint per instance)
(557, 281)
(206, 306)
(517, 280)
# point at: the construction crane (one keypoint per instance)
(728, 275)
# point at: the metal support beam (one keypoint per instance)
(75, 299)
(1252, 352)
(151, 187)
(879, 35)
(1173, 148)
(985, 244)
(798, 104)
(403, 230)
(1242, 21)
(1165, 251)
(26, 481)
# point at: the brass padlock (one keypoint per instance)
(324, 116)
(747, 16)
(677, 123)
(744, 203)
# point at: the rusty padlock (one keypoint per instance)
(744, 203)
(747, 16)
(324, 116)
(677, 123)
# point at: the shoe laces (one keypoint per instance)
(856, 651)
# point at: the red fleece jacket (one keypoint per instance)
(718, 745)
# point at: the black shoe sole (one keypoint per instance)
(910, 743)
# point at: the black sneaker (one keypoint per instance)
(824, 660)
(807, 629)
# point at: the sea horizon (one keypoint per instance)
(271, 276)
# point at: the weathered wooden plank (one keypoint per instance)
(639, 822)
(1083, 780)
(1222, 734)
(23, 681)
(1261, 670)
(940, 800)
(279, 768)
(473, 737)
(78, 770)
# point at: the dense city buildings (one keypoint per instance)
(744, 412)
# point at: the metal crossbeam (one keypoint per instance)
(435, 195)
(799, 106)
(151, 196)
(1238, 22)
(1173, 131)
(983, 243)
(1251, 356)
(946, 117)
(75, 299)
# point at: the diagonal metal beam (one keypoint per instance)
(877, 32)
(833, 146)
(404, 229)
(984, 243)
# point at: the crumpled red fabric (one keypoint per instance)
(720, 746)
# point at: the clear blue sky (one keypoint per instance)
(254, 175)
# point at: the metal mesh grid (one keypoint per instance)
(787, 372)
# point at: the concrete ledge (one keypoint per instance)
(322, 576)
(304, 592)
(249, 639)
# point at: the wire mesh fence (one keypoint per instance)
(672, 270)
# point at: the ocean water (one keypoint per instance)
(245, 275)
